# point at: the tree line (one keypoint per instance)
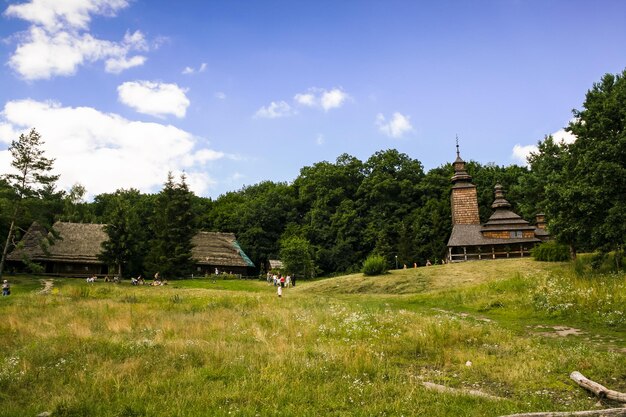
(334, 214)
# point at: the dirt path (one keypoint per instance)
(556, 331)
(47, 286)
(463, 315)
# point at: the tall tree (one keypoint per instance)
(74, 206)
(389, 193)
(599, 159)
(295, 252)
(31, 177)
(173, 227)
(326, 194)
(585, 199)
(124, 246)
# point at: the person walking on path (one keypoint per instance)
(6, 289)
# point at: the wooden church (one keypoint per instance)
(504, 235)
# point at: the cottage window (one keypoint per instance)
(199, 269)
(516, 233)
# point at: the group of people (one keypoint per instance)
(155, 283)
(94, 278)
(133, 281)
(280, 281)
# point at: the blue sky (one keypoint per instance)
(236, 92)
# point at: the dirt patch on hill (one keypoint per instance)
(47, 285)
(614, 344)
(558, 331)
(463, 315)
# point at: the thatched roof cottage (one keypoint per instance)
(275, 264)
(73, 251)
(221, 251)
(75, 248)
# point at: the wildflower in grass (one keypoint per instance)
(9, 369)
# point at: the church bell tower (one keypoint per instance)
(463, 199)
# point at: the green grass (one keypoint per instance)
(350, 345)
(227, 285)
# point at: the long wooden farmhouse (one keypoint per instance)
(75, 248)
(74, 251)
(504, 235)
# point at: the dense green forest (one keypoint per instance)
(339, 212)
(344, 210)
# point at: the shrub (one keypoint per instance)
(374, 265)
(551, 252)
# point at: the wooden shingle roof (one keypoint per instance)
(471, 235)
(504, 220)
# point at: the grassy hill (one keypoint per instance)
(351, 345)
(433, 278)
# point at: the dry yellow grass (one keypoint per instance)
(432, 278)
(122, 350)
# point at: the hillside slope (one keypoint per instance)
(432, 278)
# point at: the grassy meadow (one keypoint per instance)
(344, 346)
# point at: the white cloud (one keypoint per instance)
(319, 140)
(202, 157)
(5, 159)
(521, 153)
(7, 133)
(306, 99)
(325, 99)
(54, 15)
(398, 126)
(58, 40)
(105, 151)
(198, 182)
(117, 65)
(155, 99)
(333, 99)
(562, 136)
(275, 110)
(220, 95)
(191, 70)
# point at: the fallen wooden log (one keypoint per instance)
(610, 412)
(457, 391)
(597, 389)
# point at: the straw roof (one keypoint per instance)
(82, 243)
(77, 243)
(276, 264)
(219, 249)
